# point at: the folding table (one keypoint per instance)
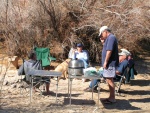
(42, 73)
(70, 79)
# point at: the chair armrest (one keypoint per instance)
(52, 58)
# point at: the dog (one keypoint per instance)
(63, 68)
(14, 60)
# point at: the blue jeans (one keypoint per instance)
(94, 83)
(85, 63)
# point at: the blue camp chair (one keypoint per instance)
(124, 78)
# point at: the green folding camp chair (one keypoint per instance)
(43, 54)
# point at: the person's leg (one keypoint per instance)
(109, 74)
(85, 63)
(93, 83)
(111, 88)
(47, 84)
(47, 87)
(85, 66)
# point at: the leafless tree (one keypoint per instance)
(51, 23)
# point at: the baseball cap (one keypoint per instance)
(79, 45)
(124, 52)
(102, 29)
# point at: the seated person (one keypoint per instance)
(32, 63)
(130, 60)
(123, 63)
(81, 54)
(130, 75)
(131, 66)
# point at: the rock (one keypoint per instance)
(12, 76)
(13, 86)
(5, 82)
(23, 84)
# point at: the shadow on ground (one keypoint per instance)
(140, 83)
(15, 110)
(144, 100)
(136, 92)
(63, 94)
(78, 102)
(121, 105)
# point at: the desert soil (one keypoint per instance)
(134, 97)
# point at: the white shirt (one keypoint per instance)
(81, 55)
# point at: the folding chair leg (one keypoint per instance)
(119, 85)
(23, 87)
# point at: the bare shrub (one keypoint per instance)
(62, 23)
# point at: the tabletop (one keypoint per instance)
(86, 77)
(43, 73)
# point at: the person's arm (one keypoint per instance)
(121, 68)
(26, 67)
(21, 69)
(118, 73)
(86, 55)
(108, 54)
(73, 56)
(109, 49)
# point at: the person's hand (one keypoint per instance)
(105, 65)
(102, 41)
(74, 50)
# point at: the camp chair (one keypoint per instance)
(130, 75)
(123, 78)
(43, 54)
(25, 80)
(44, 59)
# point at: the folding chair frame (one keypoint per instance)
(123, 77)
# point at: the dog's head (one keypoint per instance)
(68, 60)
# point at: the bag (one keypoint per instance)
(91, 71)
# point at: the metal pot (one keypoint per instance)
(75, 67)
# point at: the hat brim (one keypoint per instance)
(122, 54)
(100, 34)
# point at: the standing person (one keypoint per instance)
(110, 59)
(123, 63)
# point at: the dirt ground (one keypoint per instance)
(134, 97)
